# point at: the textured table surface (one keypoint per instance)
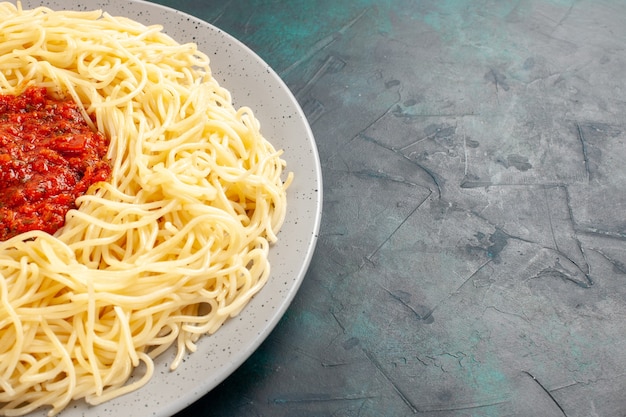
(472, 254)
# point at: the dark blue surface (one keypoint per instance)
(472, 256)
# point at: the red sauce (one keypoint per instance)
(49, 156)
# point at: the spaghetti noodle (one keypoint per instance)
(170, 247)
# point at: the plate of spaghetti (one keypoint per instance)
(160, 199)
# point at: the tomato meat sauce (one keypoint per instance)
(49, 156)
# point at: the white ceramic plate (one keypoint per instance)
(252, 83)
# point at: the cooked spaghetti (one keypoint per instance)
(167, 249)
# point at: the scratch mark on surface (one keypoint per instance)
(341, 326)
(331, 62)
(393, 384)
(415, 142)
(419, 140)
(362, 134)
(313, 109)
(323, 363)
(461, 407)
(420, 360)
(586, 281)
(583, 144)
(407, 305)
(560, 271)
(221, 12)
(550, 222)
(323, 43)
(495, 79)
(571, 384)
(498, 228)
(460, 287)
(428, 172)
(478, 184)
(585, 269)
(371, 255)
(248, 25)
(612, 234)
(434, 115)
(361, 409)
(618, 266)
(547, 392)
(565, 17)
(314, 398)
(466, 161)
(508, 313)
(334, 364)
(434, 135)
(368, 174)
(398, 152)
